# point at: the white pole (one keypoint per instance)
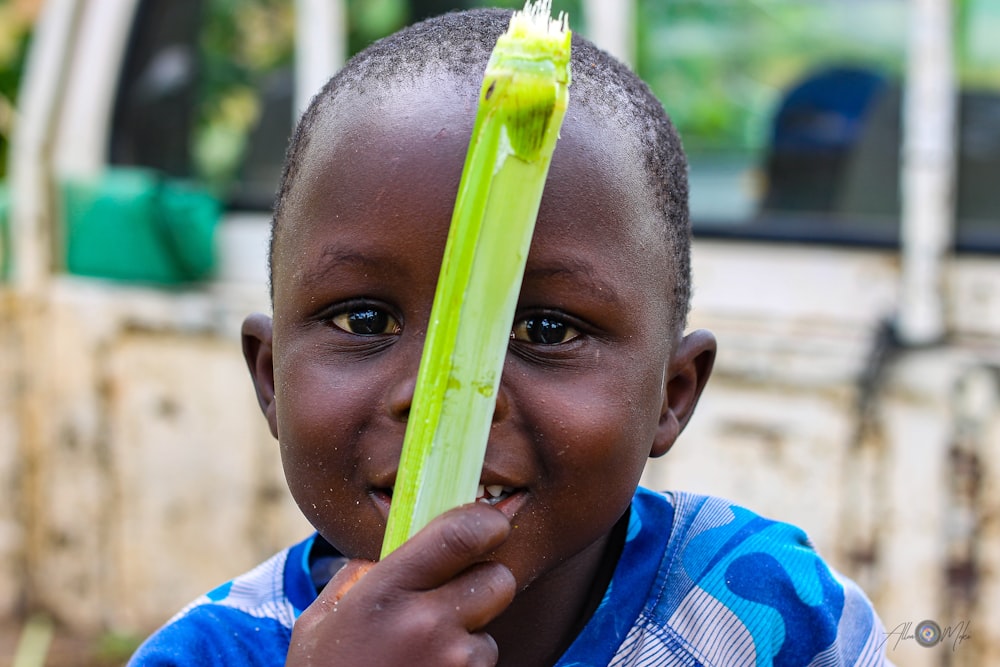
(611, 25)
(928, 172)
(31, 179)
(320, 46)
(82, 134)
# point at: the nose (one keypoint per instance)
(502, 408)
(401, 398)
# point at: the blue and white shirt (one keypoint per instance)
(700, 581)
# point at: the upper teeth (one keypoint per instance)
(495, 491)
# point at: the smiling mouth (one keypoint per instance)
(490, 494)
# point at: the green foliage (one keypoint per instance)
(720, 68)
(978, 47)
(370, 20)
(242, 43)
(14, 39)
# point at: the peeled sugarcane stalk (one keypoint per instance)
(521, 106)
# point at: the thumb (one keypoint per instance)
(345, 579)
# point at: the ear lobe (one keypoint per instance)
(688, 372)
(257, 338)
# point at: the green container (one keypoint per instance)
(134, 225)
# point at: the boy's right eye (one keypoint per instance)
(367, 321)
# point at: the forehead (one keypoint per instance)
(395, 153)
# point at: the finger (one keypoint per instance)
(479, 650)
(342, 582)
(479, 594)
(345, 579)
(448, 545)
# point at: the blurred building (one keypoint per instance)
(844, 157)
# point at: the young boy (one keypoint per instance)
(563, 561)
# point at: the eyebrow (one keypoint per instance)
(334, 257)
(575, 273)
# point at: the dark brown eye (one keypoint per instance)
(543, 330)
(367, 322)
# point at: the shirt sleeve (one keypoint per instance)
(214, 636)
(744, 589)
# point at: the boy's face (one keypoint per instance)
(582, 398)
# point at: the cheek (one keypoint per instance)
(315, 454)
(335, 440)
(594, 440)
(592, 445)
(306, 406)
(614, 420)
(318, 427)
(317, 400)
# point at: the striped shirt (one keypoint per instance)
(700, 582)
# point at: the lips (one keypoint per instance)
(490, 494)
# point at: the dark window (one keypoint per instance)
(206, 94)
(790, 112)
(154, 113)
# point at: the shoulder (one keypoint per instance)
(246, 621)
(738, 588)
(214, 635)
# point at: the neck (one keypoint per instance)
(547, 616)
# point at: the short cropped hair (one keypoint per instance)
(460, 43)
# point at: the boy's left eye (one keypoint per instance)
(543, 330)
(367, 322)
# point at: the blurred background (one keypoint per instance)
(845, 197)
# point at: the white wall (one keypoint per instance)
(150, 475)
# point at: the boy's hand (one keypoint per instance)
(424, 604)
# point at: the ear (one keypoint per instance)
(686, 375)
(257, 350)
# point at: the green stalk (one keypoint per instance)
(521, 106)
